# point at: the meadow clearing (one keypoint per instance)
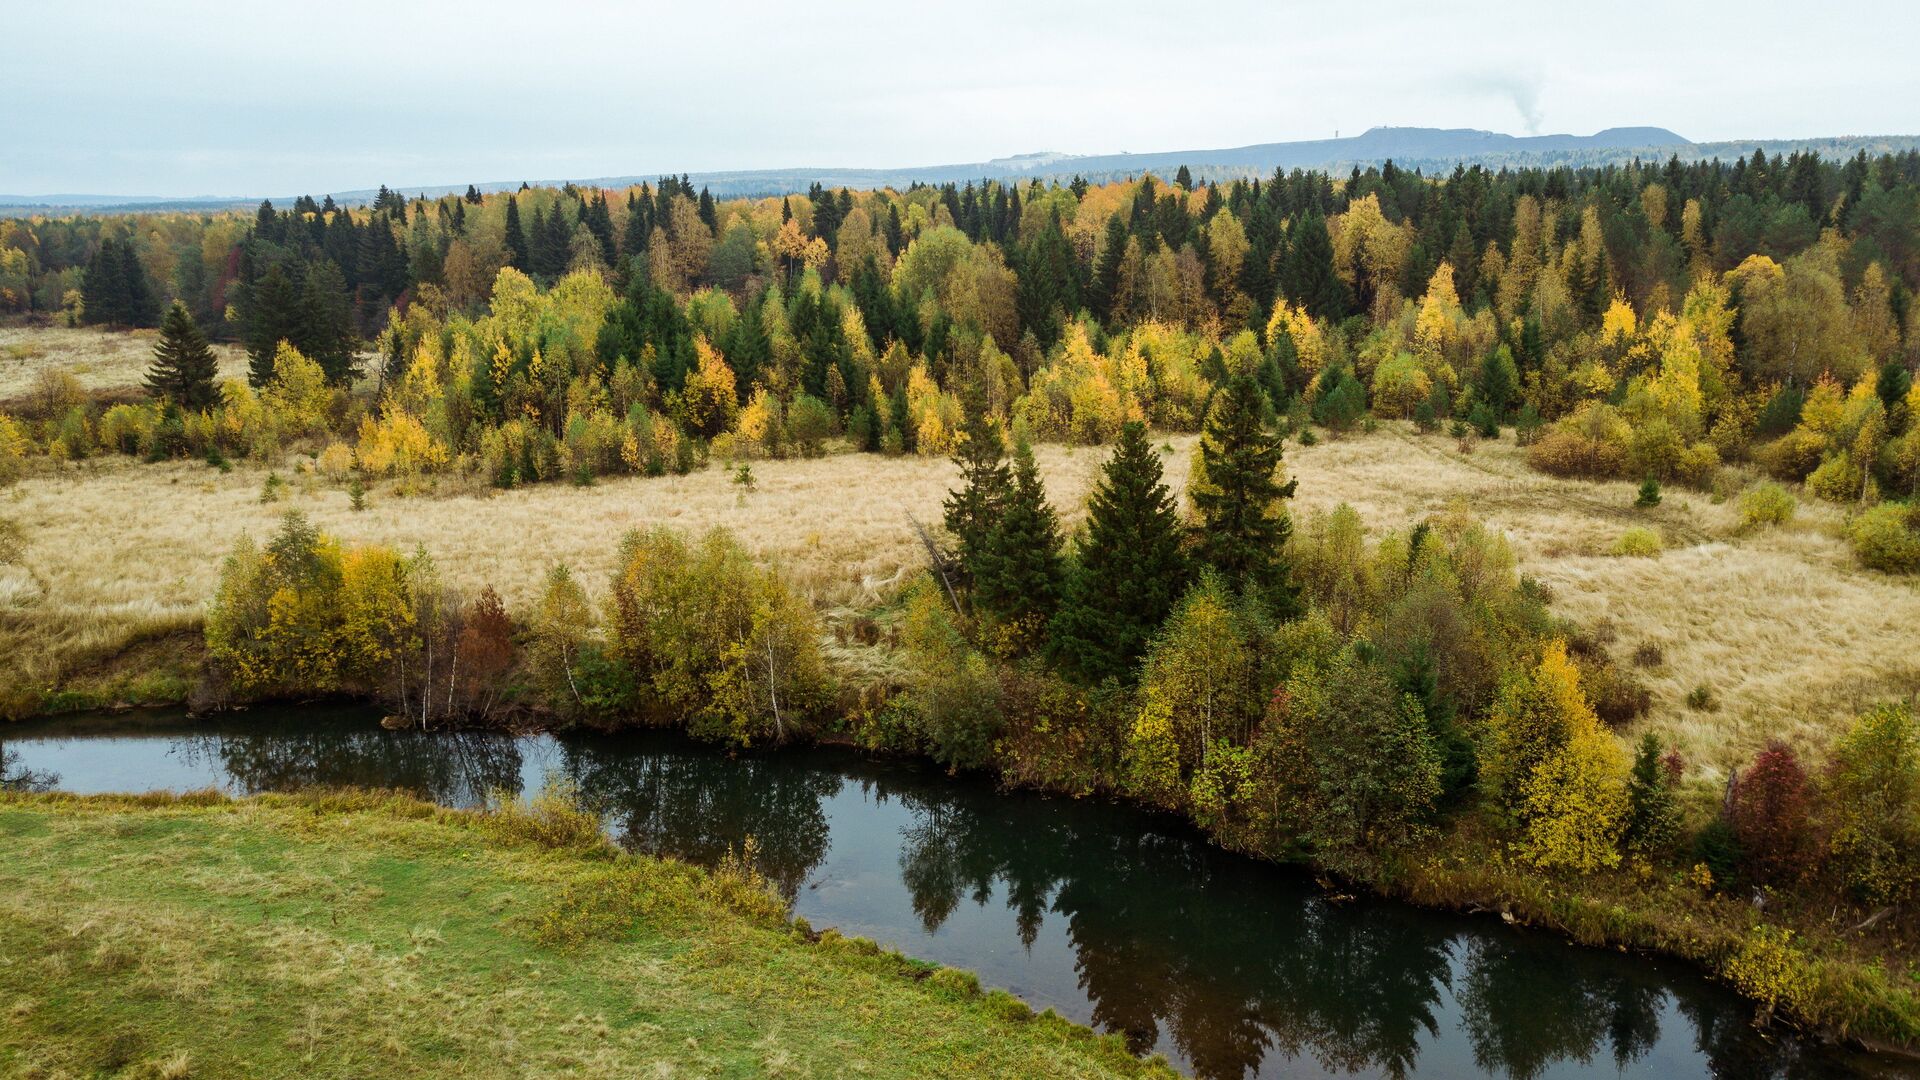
(1788, 636)
(103, 362)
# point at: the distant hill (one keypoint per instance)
(1429, 149)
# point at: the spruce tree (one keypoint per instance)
(985, 480)
(102, 290)
(1244, 530)
(183, 365)
(1019, 576)
(1132, 568)
(114, 289)
(517, 255)
(271, 315)
(139, 303)
(324, 325)
(1106, 274)
(1309, 280)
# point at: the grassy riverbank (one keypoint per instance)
(370, 935)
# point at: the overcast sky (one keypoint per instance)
(229, 98)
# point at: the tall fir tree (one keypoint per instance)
(1106, 272)
(985, 481)
(114, 289)
(184, 366)
(1019, 576)
(518, 256)
(1310, 280)
(270, 315)
(1131, 570)
(324, 328)
(1243, 527)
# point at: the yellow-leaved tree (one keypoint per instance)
(1556, 773)
(298, 397)
(709, 399)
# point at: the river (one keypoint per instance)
(1115, 917)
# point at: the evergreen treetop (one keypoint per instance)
(1243, 528)
(184, 367)
(1132, 565)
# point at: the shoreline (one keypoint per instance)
(1465, 875)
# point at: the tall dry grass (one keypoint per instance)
(1790, 636)
(103, 361)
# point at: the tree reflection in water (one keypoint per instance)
(17, 777)
(1236, 967)
(693, 804)
(1233, 965)
(450, 768)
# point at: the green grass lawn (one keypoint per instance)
(358, 935)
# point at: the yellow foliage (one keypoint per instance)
(399, 443)
(1769, 968)
(298, 397)
(1576, 804)
(336, 461)
(1153, 755)
(1309, 343)
(933, 414)
(1436, 330)
(709, 399)
(1553, 766)
(13, 450)
(1619, 323)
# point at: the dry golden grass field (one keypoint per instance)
(103, 361)
(1790, 636)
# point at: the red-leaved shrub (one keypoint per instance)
(1771, 816)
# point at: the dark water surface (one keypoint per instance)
(1115, 917)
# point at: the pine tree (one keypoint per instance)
(183, 366)
(1653, 818)
(140, 303)
(1106, 273)
(324, 327)
(102, 290)
(1131, 570)
(1018, 580)
(1243, 529)
(271, 315)
(517, 255)
(896, 233)
(115, 290)
(1309, 280)
(985, 480)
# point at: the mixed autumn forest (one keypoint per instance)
(1536, 539)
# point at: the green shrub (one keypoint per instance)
(1485, 421)
(552, 819)
(1718, 849)
(1638, 543)
(1874, 797)
(1526, 426)
(1767, 503)
(1649, 496)
(810, 423)
(1837, 479)
(1887, 538)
